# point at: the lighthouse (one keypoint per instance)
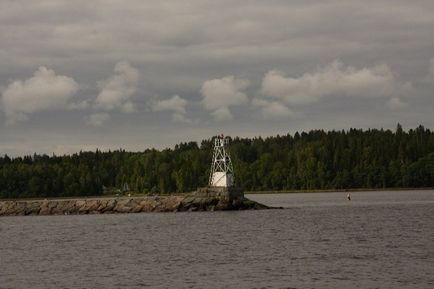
(221, 184)
(222, 172)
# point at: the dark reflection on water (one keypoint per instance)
(378, 240)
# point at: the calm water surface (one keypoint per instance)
(377, 240)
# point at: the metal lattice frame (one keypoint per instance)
(221, 160)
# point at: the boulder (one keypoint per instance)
(123, 206)
(47, 207)
(32, 208)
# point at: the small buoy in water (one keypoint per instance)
(349, 197)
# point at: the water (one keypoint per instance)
(377, 240)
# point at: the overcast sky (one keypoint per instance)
(80, 75)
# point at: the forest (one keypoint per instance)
(314, 160)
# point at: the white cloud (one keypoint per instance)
(116, 91)
(175, 103)
(272, 109)
(220, 94)
(334, 79)
(43, 91)
(97, 119)
(396, 104)
(222, 114)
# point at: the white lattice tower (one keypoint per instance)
(222, 172)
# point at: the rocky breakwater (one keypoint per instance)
(193, 202)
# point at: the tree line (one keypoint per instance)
(304, 161)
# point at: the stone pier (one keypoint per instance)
(202, 200)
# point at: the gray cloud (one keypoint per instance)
(177, 46)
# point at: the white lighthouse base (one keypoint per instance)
(222, 179)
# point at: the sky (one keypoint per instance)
(80, 75)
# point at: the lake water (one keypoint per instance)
(321, 240)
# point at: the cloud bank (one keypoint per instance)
(177, 46)
(333, 80)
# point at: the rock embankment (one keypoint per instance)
(124, 205)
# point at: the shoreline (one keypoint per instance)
(339, 190)
(134, 195)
